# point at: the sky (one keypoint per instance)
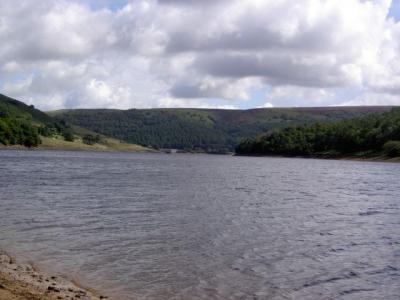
(229, 54)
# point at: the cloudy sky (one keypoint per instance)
(200, 53)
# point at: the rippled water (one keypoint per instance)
(153, 226)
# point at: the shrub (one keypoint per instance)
(91, 139)
(68, 135)
(392, 148)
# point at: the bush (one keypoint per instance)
(91, 139)
(68, 135)
(392, 148)
(48, 130)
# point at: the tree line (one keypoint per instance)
(373, 133)
(16, 132)
(206, 130)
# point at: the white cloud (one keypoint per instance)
(291, 95)
(266, 105)
(373, 98)
(151, 53)
(11, 67)
(18, 88)
(190, 103)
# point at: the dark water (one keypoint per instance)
(206, 227)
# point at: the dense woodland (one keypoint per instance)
(373, 134)
(297, 131)
(14, 132)
(206, 130)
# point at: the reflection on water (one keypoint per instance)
(152, 226)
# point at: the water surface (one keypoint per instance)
(157, 226)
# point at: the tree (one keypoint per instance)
(90, 139)
(68, 135)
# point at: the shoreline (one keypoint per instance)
(106, 145)
(152, 151)
(342, 158)
(101, 150)
(24, 282)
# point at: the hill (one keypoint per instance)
(374, 135)
(16, 109)
(24, 125)
(20, 123)
(209, 130)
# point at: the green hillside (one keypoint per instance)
(368, 136)
(20, 111)
(210, 130)
(21, 124)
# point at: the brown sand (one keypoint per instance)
(23, 282)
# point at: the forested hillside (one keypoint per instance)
(15, 132)
(21, 124)
(209, 130)
(19, 110)
(375, 134)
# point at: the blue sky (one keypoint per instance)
(395, 10)
(226, 53)
(118, 4)
(110, 4)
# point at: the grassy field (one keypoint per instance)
(108, 144)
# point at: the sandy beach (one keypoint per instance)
(23, 282)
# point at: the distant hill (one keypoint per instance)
(210, 130)
(374, 135)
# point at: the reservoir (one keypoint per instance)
(181, 226)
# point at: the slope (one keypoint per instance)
(24, 125)
(210, 130)
(375, 135)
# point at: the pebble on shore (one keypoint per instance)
(23, 282)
